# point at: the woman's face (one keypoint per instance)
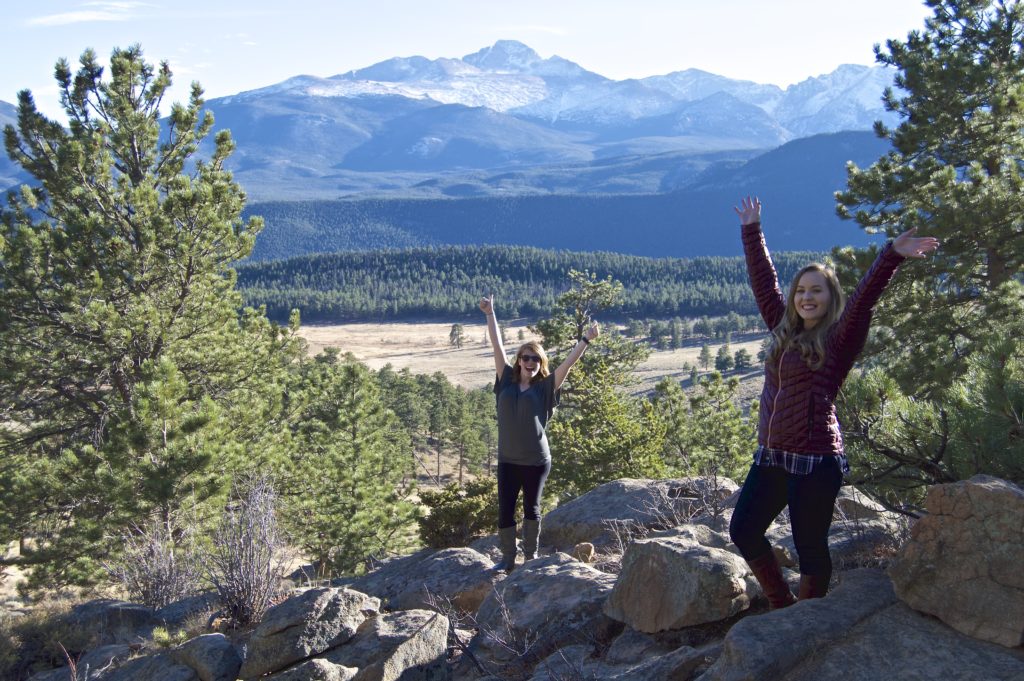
(812, 298)
(529, 363)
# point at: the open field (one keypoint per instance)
(424, 348)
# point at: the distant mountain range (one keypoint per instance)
(504, 121)
(502, 146)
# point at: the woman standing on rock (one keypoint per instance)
(799, 459)
(527, 394)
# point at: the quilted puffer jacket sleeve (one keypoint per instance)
(763, 279)
(851, 330)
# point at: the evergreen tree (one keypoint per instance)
(723, 359)
(130, 383)
(950, 324)
(345, 498)
(705, 432)
(743, 360)
(603, 432)
(705, 356)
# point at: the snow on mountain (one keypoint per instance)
(849, 98)
(510, 77)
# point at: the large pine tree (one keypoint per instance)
(947, 350)
(131, 378)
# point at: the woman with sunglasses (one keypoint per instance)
(527, 394)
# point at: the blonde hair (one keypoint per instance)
(537, 350)
(790, 332)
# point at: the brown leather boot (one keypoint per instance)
(814, 586)
(769, 575)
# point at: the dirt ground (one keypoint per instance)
(424, 348)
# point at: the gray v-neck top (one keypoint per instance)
(522, 418)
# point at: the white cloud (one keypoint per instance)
(104, 10)
(76, 18)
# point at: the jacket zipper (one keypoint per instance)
(775, 401)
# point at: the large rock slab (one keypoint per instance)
(630, 504)
(305, 626)
(112, 621)
(212, 656)
(317, 669)
(964, 561)
(579, 662)
(460, 576)
(549, 603)
(152, 668)
(181, 614)
(771, 645)
(859, 632)
(670, 582)
(410, 645)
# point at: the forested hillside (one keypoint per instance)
(797, 183)
(446, 282)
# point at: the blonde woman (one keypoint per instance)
(527, 394)
(799, 459)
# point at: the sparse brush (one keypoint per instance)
(159, 564)
(246, 561)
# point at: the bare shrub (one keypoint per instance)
(247, 560)
(159, 564)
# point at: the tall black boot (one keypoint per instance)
(507, 542)
(531, 535)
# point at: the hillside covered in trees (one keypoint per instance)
(447, 282)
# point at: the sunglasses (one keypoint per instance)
(530, 358)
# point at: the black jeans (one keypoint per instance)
(514, 477)
(811, 499)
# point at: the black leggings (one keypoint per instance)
(811, 499)
(514, 477)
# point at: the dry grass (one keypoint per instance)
(423, 348)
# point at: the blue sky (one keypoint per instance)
(233, 46)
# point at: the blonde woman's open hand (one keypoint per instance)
(749, 210)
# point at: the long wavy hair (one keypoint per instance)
(537, 350)
(790, 333)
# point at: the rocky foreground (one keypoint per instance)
(639, 582)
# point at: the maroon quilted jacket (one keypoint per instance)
(797, 412)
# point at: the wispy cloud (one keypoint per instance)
(97, 12)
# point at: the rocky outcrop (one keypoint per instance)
(603, 514)
(859, 632)
(111, 622)
(304, 626)
(459, 576)
(212, 656)
(678, 609)
(673, 581)
(964, 561)
(410, 645)
(545, 605)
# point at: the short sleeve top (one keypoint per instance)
(522, 418)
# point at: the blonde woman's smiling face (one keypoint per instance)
(812, 298)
